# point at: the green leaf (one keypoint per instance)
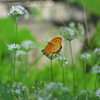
(93, 6)
(24, 34)
(94, 98)
(4, 92)
(66, 97)
(82, 97)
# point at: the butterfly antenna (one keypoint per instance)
(46, 38)
(62, 22)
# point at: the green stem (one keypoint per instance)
(20, 71)
(12, 68)
(16, 30)
(63, 79)
(51, 71)
(73, 68)
(95, 83)
(14, 58)
(26, 68)
(96, 79)
(63, 76)
(85, 75)
(15, 43)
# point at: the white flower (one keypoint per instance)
(85, 55)
(17, 10)
(63, 60)
(20, 55)
(65, 89)
(53, 85)
(33, 87)
(69, 33)
(20, 98)
(96, 69)
(96, 50)
(40, 98)
(83, 92)
(98, 93)
(13, 46)
(24, 87)
(17, 91)
(65, 63)
(72, 24)
(28, 44)
(50, 85)
(19, 83)
(81, 28)
(38, 88)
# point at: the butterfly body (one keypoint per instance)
(54, 46)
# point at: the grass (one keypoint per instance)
(54, 81)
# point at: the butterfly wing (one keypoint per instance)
(57, 39)
(47, 49)
(53, 46)
(56, 44)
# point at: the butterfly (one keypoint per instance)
(54, 46)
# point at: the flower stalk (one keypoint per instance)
(85, 75)
(20, 70)
(96, 69)
(96, 78)
(73, 68)
(16, 30)
(63, 76)
(51, 71)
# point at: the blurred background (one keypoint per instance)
(41, 24)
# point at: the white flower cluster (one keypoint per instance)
(24, 87)
(81, 28)
(65, 64)
(69, 33)
(83, 92)
(20, 55)
(19, 83)
(28, 44)
(51, 56)
(51, 91)
(96, 69)
(98, 93)
(54, 85)
(96, 50)
(85, 56)
(71, 24)
(13, 46)
(63, 60)
(17, 10)
(18, 88)
(17, 91)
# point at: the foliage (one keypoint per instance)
(7, 35)
(33, 83)
(91, 5)
(40, 91)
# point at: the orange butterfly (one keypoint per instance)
(54, 46)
